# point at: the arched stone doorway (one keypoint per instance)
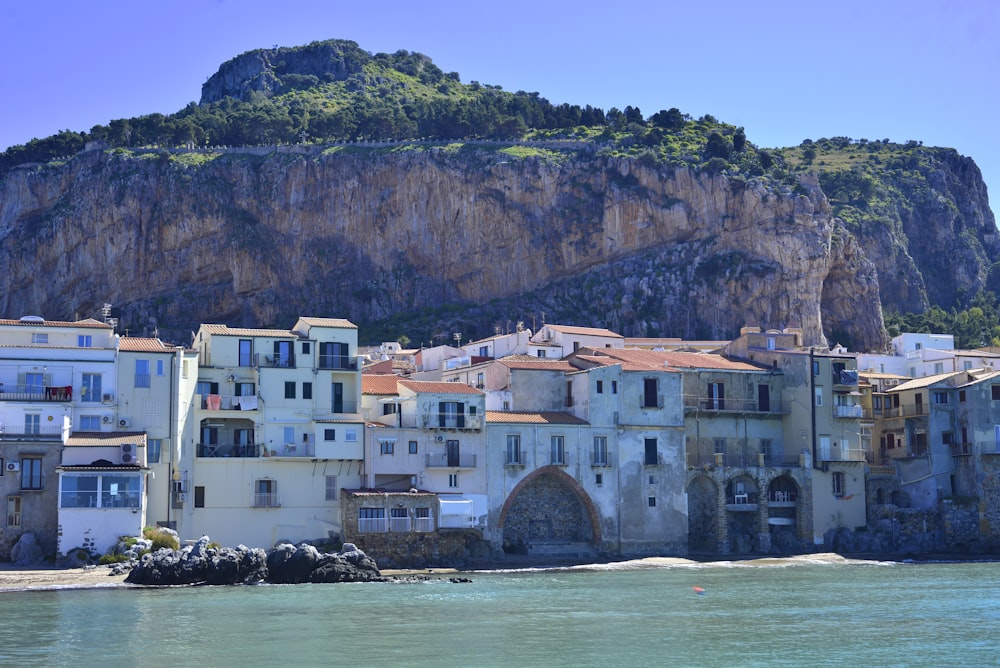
(548, 506)
(742, 521)
(703, 515)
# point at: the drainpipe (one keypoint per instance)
(812, 405)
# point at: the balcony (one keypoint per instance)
(758, 453)
(22, 433)
(906, 410)
(848, 412)
(55, 394)
(228, 402)
(836, 453)
(276, 361)
(265, 500)
(444, 421)
(228, 450)
(305, 449)
(461, 461)
(337, 363)
(697, 403)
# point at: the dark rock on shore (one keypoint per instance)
(285, 564)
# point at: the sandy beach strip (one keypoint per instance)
(13, 578)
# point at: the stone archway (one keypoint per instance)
(548, 505)
(703, 515)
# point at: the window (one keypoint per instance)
(334, 355)
(265, 493)
(246, 352)
(918, 346)
(186, 369)
(142, 373)
(14, 511)
(719, 446)
(995, 392)
(31, 473)
(372, 519)
(199, 496)
(388, 409)
(598, 479)
(939, 397)
(513, 449)
(716, 398)
(331, 488)
(614, 387)
(451, 415)
(569, 393)
(651, 456)
(118, 491)
(771, 343)
(33, 383)
(938, 367)
(305, 348)
(452, 480)
(558, 447)
(600, 451)
(815, 367)
(84, 341)
(484, 351)
(159, 367)
(78, 491)
(576, 346)
(422, 519)
(39, 337)
(652, 502)
(245, 389)
(961, 396)
(600, 387)
(541, 353)
(32, 423)
(90, 423)
(387, 447)
(351, 435)
(948, 437)
(649, 392)
(413, 447)
(399, 519)
(307, 390)
(966, 365)
(153, 447)
(91, 390)
(480, 380)
(838, 483)
(818, 391)
(289, 389)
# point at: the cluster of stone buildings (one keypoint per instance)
(564, 441)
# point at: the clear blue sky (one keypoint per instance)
(786, 70)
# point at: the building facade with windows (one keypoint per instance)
(275, 433)
(55, 378)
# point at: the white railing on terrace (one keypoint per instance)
(373, 524)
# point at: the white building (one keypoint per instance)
(276, 433)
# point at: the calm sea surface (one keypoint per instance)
(764, 614)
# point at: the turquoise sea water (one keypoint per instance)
(772, 613)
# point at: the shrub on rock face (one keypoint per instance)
(161, 537)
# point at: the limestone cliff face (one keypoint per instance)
(365, 234)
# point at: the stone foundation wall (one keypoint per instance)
(546, 510)
(449, 548)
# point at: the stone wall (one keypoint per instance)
(989, 501)
(546, 510)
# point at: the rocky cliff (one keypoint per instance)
(256, 238)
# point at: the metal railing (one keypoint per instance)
(907, 410)
(275, 361)
(42, 394)
(704, 403)
(266, 500)
(337, 362)
(228, 450)
(462, 461)
(848, 411)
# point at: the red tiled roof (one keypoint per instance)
(108, 438)
(379, 383)
(329, 322)
(438, 387)
(226, 330)
(527, 417)
(88, 322)
(143, 345)
(536, 363)
(588, 331)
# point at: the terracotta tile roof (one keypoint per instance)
(379, 383)
(143, 345)
(535, 363)
(589, 331)
(329, 322)
(709, 361)
(226, 330)
(91, 438)
(637, 359)
(926, 381)
(527, 417)
(88, 322)
(438, 387)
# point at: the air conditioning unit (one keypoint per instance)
(440, 438)
(13, 466)
(107, 398)
(181, 497)
(106, 419)
(231, 378)
(123, 423)
(128, 453)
